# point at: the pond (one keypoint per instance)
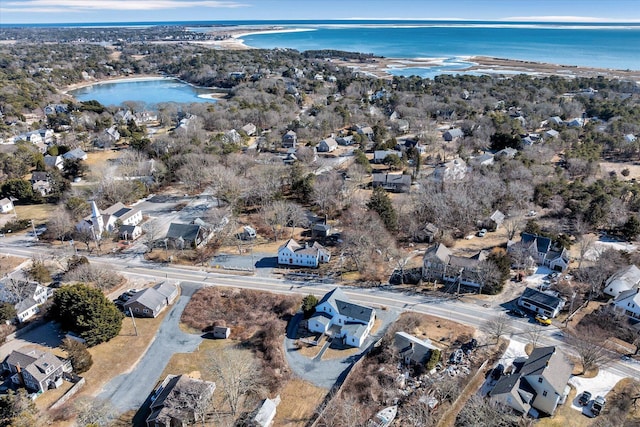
(149, 91)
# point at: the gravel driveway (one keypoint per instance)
(325, 373)
(130, 390)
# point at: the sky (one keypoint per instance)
(85, 11)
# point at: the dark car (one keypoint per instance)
(598, 405)
(497, 372)
(585, 397)
(517, 312)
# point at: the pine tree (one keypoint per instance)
(381, 203)
(86, 311)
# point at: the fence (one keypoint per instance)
(71, 392)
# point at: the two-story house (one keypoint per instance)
(335, 315)
(533, 249)
(289, 139)
(26, 296)
(36, 370)
(439, 263)
(538, 383)
(293, 253)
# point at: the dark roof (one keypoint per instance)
(39, 176)
(354, 311)
(543, 243)
(540, 298)
(340, 301)
(177, 399)
(188, 232)
(505, 384)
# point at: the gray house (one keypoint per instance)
(187, 235)
(175, 402)
(412, 350)
(36, 370)
(392, 182)
(151, 301)
(453, 134)
(289, 139)
(539, 384)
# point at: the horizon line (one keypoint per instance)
(515, 20)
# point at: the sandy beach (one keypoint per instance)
(380, 66)
(119, 79)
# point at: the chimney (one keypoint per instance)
(306, 245)
(20, 375)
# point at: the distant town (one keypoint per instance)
(319, 243)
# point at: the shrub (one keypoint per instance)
(433, 359)
(78, 354)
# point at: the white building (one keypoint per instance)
(337, 316)
(622, 280)
(628, 302)
(109, 219)
(292, 253)
(6, 205)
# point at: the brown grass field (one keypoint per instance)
(38, 213)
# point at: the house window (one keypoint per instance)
(540, 379)
(544, 393)
(145, 310)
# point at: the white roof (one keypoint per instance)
(623, 280)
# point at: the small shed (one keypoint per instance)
(221, 332)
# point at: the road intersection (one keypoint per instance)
(384, 297)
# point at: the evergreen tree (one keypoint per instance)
(381, 203)
(87, 312)
(78, 354)
(631, 228)
(309, 305)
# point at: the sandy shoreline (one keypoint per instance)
(380, 66)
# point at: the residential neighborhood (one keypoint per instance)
(313, 240)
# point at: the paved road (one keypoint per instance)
(130, 390)
(469, 314)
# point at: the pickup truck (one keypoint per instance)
(598, 405)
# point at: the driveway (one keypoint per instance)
(326, 373)
(47, 334)
(130, 390)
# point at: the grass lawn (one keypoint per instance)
(294, 411)
(99, 158)
(45, 400)
(109, 358)
(9, 263)
(565, 416)
(38, 213)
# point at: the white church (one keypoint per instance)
(110, 219)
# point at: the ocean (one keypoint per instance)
(612, 46)
(601, 45)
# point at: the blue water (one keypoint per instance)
(603, 46)
(149, 92)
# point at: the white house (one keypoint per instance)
(380, 155)
(6, 205)
(337, 316)
(625, 279)
(628, 302)
(26, 297)
(75, 154)
(292, 253)
(454, 170)
(327, 145)
(109, 219)
(54, 161)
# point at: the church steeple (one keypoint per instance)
(96, 220)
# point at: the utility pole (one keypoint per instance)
(33, 228)
(135, 328)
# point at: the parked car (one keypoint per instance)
(497, 372)
(517, 312)
(543, 320)
(482, 232)
(585, 397)
(598, 405)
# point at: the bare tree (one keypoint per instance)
(326, 192)
(588, 343)
(94, 412)
(481, 412)
(497, 326)
(280, 214)
(342, 411)
(512, 225)
(60, 223)
(534, 333)
(237, 373)
(585, 243)
(151, 233)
